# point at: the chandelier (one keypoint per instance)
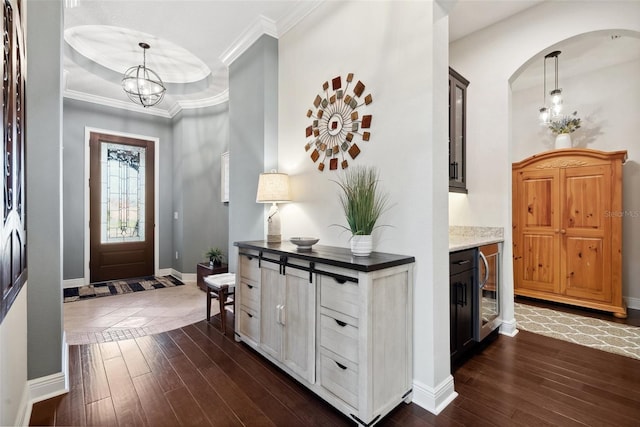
(143, 85)
(547, 113)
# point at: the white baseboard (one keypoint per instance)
(509, 328)
(176, 274)
(73, 283)
(434, 399)
(633, 303)
(185, 277)
(44, 388)
(165, 272)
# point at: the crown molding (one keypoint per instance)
(263, 25)
(206, 102)
(115, 103)
(129, 106)
(298, 12)
(249, 36)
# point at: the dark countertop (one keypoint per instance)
(331, 255)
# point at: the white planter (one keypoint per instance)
(563, 140)
(361, 245)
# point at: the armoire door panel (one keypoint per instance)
(539, 269)
(588, 271)
(538, 199)
(586, 191)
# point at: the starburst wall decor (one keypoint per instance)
(337, 121)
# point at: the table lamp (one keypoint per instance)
(273, 188)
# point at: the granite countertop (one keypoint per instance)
(464, 237)
(330, 255)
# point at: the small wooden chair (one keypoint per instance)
(220, 286)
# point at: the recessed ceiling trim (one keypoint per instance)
(249, 36)
(206, 102)
(115, 103)
(175, 108)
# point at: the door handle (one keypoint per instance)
(563, 231)
(464, 293)
(278, 314)
(486, 269)
(283, 316)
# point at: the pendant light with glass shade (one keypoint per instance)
(547, 113)
(141, 84)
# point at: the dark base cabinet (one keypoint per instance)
(205, 270)
(462, 285)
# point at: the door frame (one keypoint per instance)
(156, 203)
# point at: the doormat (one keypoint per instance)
(117, 287)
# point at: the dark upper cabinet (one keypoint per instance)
(457, 131)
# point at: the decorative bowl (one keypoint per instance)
(304, 243)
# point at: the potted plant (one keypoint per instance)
(563, 127)
(363, 203)
(216, 256)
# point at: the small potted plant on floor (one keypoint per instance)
(363, 203)
(216, 256)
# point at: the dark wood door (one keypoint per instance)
(121, 207)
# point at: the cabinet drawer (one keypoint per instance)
(249, 294)
(249, 323)
(462, 261)
(249, 268)
(341, 297)
(339, 336)
(340, 378)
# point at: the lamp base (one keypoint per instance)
(274, 238)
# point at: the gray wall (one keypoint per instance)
(253, 136)
(44, 187)
(77, 116)
(200, 138)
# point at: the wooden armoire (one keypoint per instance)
(567, 228)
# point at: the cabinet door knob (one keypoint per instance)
(563, 231)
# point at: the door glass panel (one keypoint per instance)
(123, 193)
(490, 301)
(459, 134)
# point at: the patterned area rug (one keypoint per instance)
(608, 336)
(117, 287)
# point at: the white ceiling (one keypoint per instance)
(469, 16)
(206, 35)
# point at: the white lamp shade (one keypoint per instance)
(273, 188)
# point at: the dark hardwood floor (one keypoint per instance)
(196, 376)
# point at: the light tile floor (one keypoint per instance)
(133, 315)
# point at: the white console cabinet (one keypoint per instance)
(340, 325)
